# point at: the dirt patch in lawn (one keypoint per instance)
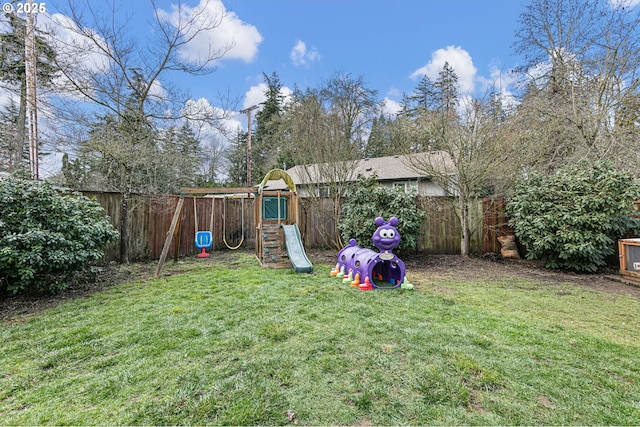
(492, 266)
(433, 267)
(488, 267)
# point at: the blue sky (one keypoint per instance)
(391, 44)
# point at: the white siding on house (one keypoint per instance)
(431, 189)
(424, 187)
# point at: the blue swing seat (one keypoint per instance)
(203, 240)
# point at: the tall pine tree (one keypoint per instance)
(269, 151)
(13, 77)
(236, 155)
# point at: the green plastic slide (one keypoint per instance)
(297, 255)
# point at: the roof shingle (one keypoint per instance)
(400, 167)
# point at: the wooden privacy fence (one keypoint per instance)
(317, 222)
(440, 232)
(138, 226)
(233, 221)
(150, 218)
(494, 223)
(233, 218)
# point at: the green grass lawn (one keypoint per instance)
(237, 344)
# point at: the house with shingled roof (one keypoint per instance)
(400, 171)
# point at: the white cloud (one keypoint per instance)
(158, 91)
(390, 107)
(225, 31)
(459, 59)
(301, 56)
(211, 123)
(65, 36)
(81, 49)
(256, 95)
(625, 3)
(199, 109)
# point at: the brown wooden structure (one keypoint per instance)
(629, 254)
(174, 232)
(273, 208)
(150, 217)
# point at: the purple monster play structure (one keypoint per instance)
(369, 269)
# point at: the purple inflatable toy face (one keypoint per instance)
(386, 237)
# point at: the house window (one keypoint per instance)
(406, 186)
(323, 191)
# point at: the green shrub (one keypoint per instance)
(46, 237)
(572, 219)
(368, 200)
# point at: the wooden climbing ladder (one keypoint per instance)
(274, 208)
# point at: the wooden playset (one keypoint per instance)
(278, 241)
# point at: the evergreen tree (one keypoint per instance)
(181, 158)
(268, 150)
(12, 153)
(236, 155)
(384, 139)
(376, 142)
(13, 77)
(406, 108)
(446, 91)
(445, 114)
(423, 97)
(214, 162)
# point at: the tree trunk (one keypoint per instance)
(124, 224)
(337, 209)
(22, 146)
(465, 243)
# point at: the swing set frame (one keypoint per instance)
(220, 192)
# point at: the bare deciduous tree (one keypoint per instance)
(325, 164)
(110, 74)
(103, 63)
(326, 130)
(583, 65)
(478, 158)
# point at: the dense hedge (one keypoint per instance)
(47, 237)
(572, 219)
(368, 200)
